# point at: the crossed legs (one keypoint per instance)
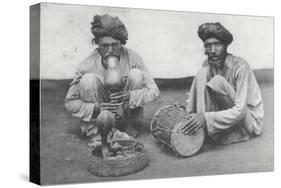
(222, 97)
(92, 90)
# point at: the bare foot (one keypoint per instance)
(131, 131)
(105, 151)
(89, 130)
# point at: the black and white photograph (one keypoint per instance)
(131, 94)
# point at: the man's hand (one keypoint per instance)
(119, 97)
(107, 106)
(194, 123)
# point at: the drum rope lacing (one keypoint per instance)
(161, 128)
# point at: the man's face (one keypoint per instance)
(109, 46)
(216, 52)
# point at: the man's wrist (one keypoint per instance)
(96, 111)
(203, 115)
(128, 96)
(204, 119)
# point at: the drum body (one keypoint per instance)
(166, 127)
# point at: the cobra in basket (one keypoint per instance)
(126, 157)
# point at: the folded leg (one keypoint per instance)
(222, 97)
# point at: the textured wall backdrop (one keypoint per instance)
(167, 40)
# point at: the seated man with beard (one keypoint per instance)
(90, 99)
(225, 98)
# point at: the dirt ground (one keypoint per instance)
(65, 155)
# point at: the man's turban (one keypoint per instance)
(106, 25)
(215, 30)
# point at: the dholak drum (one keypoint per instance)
(166, 127)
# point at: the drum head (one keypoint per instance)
(186, 145)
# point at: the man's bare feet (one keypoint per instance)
(89, 130)
(131, 131)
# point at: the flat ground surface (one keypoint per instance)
(65, 154)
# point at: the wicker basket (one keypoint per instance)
(119, 166)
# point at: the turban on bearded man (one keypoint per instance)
(106, 25)
(216, 30)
